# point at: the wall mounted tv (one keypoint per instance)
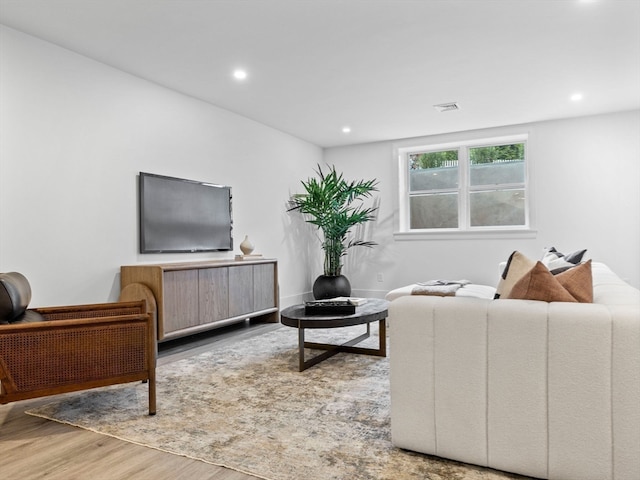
(179, 215)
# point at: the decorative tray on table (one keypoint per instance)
(329, 307)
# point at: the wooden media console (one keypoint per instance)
(195, 296)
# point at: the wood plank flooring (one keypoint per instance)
(33, 448)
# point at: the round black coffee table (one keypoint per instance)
(372, 310)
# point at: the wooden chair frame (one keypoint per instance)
(77, 348)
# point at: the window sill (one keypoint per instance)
(464, 235)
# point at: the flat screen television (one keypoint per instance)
(179, 215)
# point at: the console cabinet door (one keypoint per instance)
(213, 284)
(195, 295)
(264, 286)
(240, 290)
(181, 309)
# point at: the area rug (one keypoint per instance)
(246, 407)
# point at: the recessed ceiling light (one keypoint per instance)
(576, 97)
(240, 74)
(346, 129)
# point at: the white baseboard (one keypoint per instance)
(369, 293)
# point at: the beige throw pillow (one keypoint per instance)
(517, 266)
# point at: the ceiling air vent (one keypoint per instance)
(447, 107)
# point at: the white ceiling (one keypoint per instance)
(378, 66)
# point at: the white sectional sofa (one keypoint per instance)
(548, 390)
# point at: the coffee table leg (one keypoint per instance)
(331, 350)
(301, 366)
(348, 347)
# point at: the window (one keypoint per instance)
(465, 187)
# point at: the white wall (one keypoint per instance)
(75, 133)
(586, 193)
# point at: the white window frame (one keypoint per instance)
(464, 230)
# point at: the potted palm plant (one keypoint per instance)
(334, 205)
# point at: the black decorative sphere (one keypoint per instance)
(331, 286)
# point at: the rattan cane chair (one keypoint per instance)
(47, 351)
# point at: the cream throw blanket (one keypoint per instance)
(442, 288)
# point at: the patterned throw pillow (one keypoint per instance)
(558, 262)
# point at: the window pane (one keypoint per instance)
(434, 211)
(433, 170)
(496, 165)
(497, 208)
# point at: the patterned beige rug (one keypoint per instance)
(246, 407)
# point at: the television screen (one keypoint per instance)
(178, 215)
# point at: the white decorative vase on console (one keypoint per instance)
(246, 246)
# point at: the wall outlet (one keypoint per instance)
(380, 277)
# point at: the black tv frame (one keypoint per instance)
(176, 222)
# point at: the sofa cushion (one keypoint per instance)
(517, 266)
(610, 289)
(539, 284)
(15, 295)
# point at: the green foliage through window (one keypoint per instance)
(433, 159)
(496, 153)
(477, 155)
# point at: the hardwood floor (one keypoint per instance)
(34, 448)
